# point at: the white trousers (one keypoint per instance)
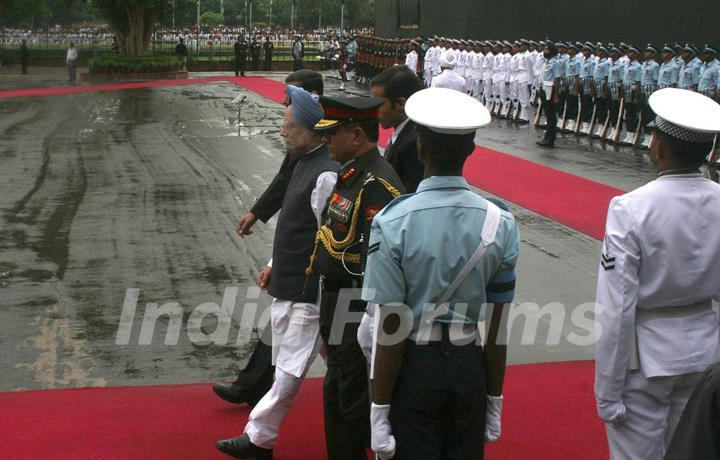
(654, 406)
(296, 343)
(428, 74)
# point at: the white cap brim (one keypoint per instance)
(447, 111)
(687, 109)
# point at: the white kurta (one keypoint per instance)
(295, 344)
(658, 276)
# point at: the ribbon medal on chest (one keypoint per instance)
(340, 208)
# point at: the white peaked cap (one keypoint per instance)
(447, 111)
(685, 115)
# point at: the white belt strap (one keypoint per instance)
(488, 235)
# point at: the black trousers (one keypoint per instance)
(631, 113)
(601, 110)
(550, 109)
(438, 407)
(259, 371)
(345, 391)
(297, 65)
(587, 106)
(647, 113)
(614, 111)
(240, 66)
(572, 107)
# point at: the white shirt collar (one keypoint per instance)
(398, 129)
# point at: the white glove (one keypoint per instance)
(382, 441)
(365, 336)
(612, 412)
(493, 413)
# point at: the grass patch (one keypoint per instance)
(115, 63)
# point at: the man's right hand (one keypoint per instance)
(245, 224)
(264, 277)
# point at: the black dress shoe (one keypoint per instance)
(546, 143)
(241, 447)
(236, 394)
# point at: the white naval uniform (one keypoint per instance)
(295, 344)
(462, 64)
(476, 74)
(436, 68)
(488, 90)
(658, 277)
(411, 61)
(450, 79)
(525, 67)
(428, 65)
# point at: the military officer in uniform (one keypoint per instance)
(587, 69)
(601, 91)
(650, 73)
(669, 72)
(449, 78)
(573, 88)
(656, 328)
(552, 73)
(631, 93)
(437, 392)
(708, 72)
(689, 70)
(366, 183)
(617, 71)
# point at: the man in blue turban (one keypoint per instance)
(295, 311)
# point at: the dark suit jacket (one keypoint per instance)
(403, 157)
(271, 200)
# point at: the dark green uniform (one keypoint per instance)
(364, 187)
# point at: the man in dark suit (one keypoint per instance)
(395, 85)
(241, 49)
(257, 377)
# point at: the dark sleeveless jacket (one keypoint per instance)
(296, 230)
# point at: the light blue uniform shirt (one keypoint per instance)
(564, 62)
(587, 68)
(650, 72)
(617, 71)
(573, 68)
(669, 73)
(708, 76)
(689, 74)
(632, 73)
(602, 70)
(552, 70)
(420, 242)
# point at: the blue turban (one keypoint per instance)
(304, 106)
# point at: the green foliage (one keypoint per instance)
(211, 17)
(114, 63)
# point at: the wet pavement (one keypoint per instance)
(110, 195)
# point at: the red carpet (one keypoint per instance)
(548, 414)
(270, 89)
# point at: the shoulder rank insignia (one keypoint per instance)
(371, 212)
(348, 174)
(340, 208)
(607, 262)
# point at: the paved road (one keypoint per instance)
(106, 194)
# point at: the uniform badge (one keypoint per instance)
(371, 212)
(340, 208)
(607, 262)
(348, 174)
(373, 248)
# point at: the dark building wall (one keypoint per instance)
(639, 22)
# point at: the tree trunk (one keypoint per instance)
(135, 40)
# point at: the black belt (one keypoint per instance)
(445, 344)
(336, 284)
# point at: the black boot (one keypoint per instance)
(241, 447)
(546, 142)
